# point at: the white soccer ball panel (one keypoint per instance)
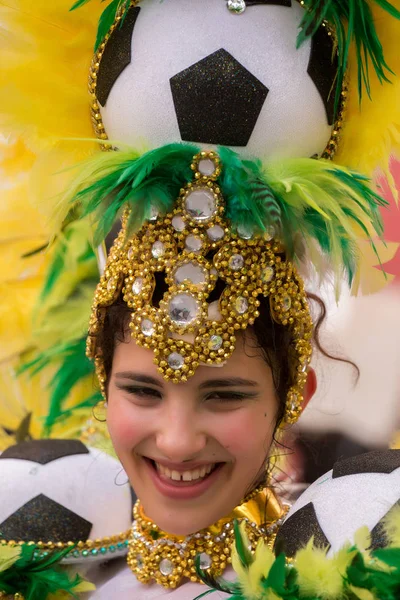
(345, 504)
(169, 37)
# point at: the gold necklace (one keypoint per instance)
(155, 555)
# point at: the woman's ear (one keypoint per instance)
(310, 387)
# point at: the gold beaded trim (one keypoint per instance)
(249, 268)
(88, 548)
(167, 559)
(95, 108)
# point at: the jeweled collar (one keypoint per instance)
(155, 555)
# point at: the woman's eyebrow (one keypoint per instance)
(138, 378)
(225, 383)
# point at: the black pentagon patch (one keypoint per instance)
(377, 461)
(44, 519)
(217, 101)
(322, 68)
(378, 534)
(117, 55)
(297, 531)
(44, 451)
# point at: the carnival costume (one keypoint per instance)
(261, 139)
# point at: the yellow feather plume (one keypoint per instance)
(250, 578)
(319, 575)
(372, 131)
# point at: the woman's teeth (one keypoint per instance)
(193, 475)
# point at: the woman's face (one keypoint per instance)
(191, 450)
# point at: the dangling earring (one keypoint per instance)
(99, 411)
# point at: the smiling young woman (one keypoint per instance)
(193, 451)
(201, 329)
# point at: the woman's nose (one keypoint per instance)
(180, 436)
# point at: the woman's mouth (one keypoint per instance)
(183, 484)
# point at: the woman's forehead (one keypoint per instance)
(246, 362)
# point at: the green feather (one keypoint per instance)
(244, 554)
(353, 22)
(73, 367)
(304, 201)
(107, 17)
(143, 183)
(36, 579)
(250, 201)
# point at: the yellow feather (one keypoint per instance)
(362, 594)
(8, 556)
(319, 575)
(250, 577)
(392, 526)
(369, 135)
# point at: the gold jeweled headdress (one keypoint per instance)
(214, 267)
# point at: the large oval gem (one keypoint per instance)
(207, 167)
(215, 342)
(147, 327)
(158, 249)
(193, 243)
(175, 361)
(190, 272)
(205, 561)
(137, 286)
(166, 567)
(267, 274)
(200, 204)
(178, 223)
(216, 233)
(241, 305)
(183, 309)
(236, 262)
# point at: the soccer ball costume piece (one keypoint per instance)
(48, 490)
(210, 76)
(365, 487)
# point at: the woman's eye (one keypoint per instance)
(225, 396)
(141, 392)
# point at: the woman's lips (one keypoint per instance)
(182, 490)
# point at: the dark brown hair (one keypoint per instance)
(272, 339)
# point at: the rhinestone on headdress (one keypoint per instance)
(236, 6)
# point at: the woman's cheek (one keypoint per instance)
(244, 432)
(124, 424)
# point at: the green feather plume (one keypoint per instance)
(353, 22)
(116, 180)
(72, 367)
(351, 573)
(303, 202)
(38, 578)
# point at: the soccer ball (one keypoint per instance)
(358, 491)
(63, 491)
(196, 72)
